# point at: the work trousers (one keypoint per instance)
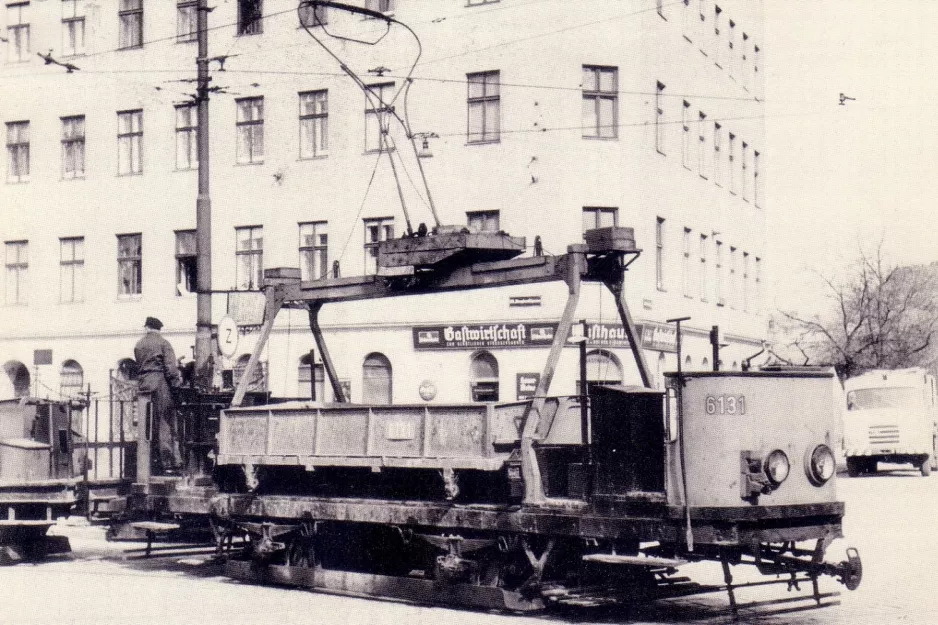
(165, 443)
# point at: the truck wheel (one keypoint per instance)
(926, 466)
(854, 467)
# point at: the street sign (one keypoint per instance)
(227, 337)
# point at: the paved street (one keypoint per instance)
(890, 519)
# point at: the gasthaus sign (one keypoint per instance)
(508, 334)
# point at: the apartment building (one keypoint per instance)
(543, 119)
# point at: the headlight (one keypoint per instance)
(777, 467)
(821, 465)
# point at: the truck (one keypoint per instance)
(891, 416)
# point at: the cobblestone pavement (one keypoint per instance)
(891, 519)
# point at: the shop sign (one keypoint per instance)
(658, 336)
(527, 385)
(488, 335)
(606, 335)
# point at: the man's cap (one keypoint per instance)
(153, 322)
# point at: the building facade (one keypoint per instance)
(543, 119)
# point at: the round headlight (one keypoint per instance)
(821, 465)
(777, 467)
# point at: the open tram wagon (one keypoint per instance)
(583, 500)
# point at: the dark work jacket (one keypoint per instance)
(154, 355)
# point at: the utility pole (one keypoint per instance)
(203, 209)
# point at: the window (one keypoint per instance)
(659, 118)
(718, 275)
(600, 102)
(381, 6)
(594, 217)
(758, 284)
(250, 17)
(71, 269)
(17, 271)
(187, 21)
(731, 38)
(602, 367)
(73, 27)
(129, 264)
(484, 104)
(659, 253)
(743, 166)
(717, 145)
(686, 145)
(187, 139)
(717, 46)
(250, 125)
(313, 16)
(131, 23)
(746, 281)
(484, 377)
(249, 258)
(314, 123)
(686, 268)
(756, 195)
(305, 376)
(377, 107)
(702, 145)
(17, 151)
(732, 163)
(129, 142)
(483, 221)
(376, 380)
(687, 20)
(314, 250)
(187, 266)
(734, 287)
(73, 147)
(71, 379)
(703, 268)
(17, 32)
(376, 230)
(258, 380)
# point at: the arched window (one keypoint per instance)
(687, 363)
(123, 381)
(602, 367)
(71, 379)
(484, 377)
(258, 377)
(18, 381)
(304, 379)
(376, 379)
(705, 364)
(735, 366)
(661, 366)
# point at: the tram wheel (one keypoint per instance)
(302, 553)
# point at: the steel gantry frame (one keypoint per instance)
(604, 259)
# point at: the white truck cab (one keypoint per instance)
(891, 416)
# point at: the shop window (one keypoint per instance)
(72, 379)
(484, 377)
(304, 378)
(602, 367)
(376, 379)
(258, 380)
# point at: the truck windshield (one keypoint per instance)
(883, 398)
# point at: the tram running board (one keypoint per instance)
(367, 584)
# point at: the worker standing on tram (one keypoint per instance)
(158, 374)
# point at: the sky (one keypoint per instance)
(842, 177)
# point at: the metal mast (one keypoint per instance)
(203, 208)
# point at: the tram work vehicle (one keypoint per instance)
(39, 476)
(596, 498)
(892, 416)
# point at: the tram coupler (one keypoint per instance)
(850, 571)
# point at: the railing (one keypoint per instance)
(104, 447)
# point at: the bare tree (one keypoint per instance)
(880, 316)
